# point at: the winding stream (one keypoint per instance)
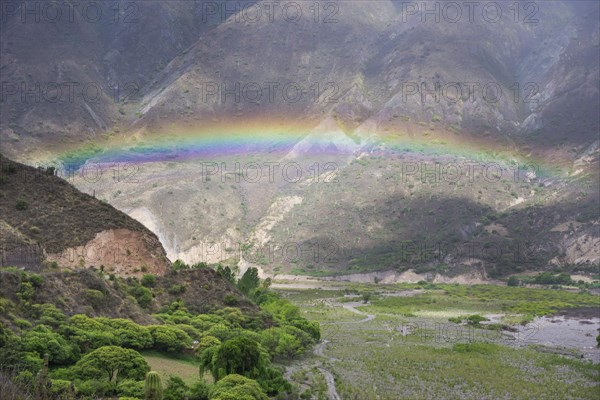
(332, 393)
(567, 332)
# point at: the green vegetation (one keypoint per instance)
(21, 205)
(458, 299)
(237, 387)
(378, 360)
(543, 278)
(153, 389)
(249, 281)
(148, 280)
(113, 362)
(225, 354)
(184, 366)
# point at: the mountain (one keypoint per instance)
(347, 138)
(45, 219)
(76, 64)
(79, 244)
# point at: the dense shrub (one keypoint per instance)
(176, 289)
(95, 297)
(475, 319)
(513, 281)
(169, 338)
(113, 363)
(142, 295)
(176, 389)
(148, 280)
(128, 334)
(43, 340)
(21, 205)
(237, 387)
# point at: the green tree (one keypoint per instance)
(289, 346)
(148, 280)
(206, 360)
(233, 316)
(199, 391)
(282, 309)
(43, 340)
(179, 265)
(142, 295)
(42, 382)
(310, 327)
(128, 334)
(237, 387)
(206, 342)
(226, 273)
(114, 363)
(5, 335)
(249, 281)
(25, 292)
(176, 389)
(513, 281)
(273, 382)
(220, 331)
(62, 389)
(48, 314)
(205, 321)
(94, 297)
(153, 389)
(267, 283)
(366, 297)
(131, 388)
(241, 355)
(564, 279)
(169, 338)
(21, 205)
(88, 333)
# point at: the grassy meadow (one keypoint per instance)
(402, 353)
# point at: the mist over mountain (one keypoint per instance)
(322, 138)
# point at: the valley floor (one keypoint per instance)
(401, 345)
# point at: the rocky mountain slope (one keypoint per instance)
(386, 94)
(45, 219)
(88, 292)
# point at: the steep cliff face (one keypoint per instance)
(43, 217)
(118, 251)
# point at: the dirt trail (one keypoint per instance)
(332, 393)
(350, 307)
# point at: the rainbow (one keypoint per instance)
(277, 138)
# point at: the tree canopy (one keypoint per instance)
(114, 363)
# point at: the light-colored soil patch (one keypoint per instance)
(117, 250)
(276, 213)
